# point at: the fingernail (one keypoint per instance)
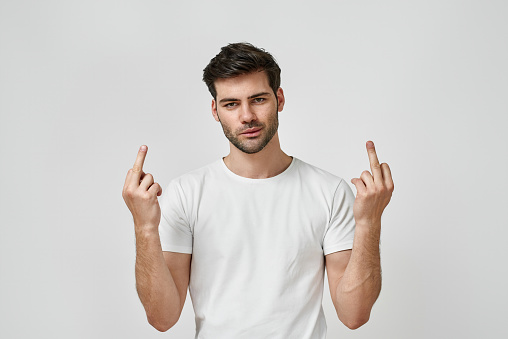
(142, 148)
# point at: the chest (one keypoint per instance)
(265, 223)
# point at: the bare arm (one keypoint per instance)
(161, 278)
(355, 277)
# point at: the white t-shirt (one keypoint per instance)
(257, 247)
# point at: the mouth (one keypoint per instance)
(252, 132)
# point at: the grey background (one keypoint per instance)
(84, 83)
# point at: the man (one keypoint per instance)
(252, 233)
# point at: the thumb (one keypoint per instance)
(360, 186)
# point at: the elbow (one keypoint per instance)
(161, 325)
(161, 328)
(356, 323)
(354, 320)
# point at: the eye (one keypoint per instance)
(230, 105)
(258, 100)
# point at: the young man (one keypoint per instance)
(252, 233)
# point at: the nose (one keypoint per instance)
(247, 114)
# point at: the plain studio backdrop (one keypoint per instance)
(84, 83)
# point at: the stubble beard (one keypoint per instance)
(255, 144)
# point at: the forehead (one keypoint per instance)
(243, 85)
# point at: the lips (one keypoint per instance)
(252, 130)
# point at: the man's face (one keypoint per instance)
(247, 110)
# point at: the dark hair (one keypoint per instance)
(238, 59)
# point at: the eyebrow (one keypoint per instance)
(251, 97)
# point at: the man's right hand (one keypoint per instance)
(140, 194)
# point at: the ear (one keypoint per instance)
(281, 99)
(214, 110)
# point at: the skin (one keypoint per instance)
(244, 102)
(162, 278)
(354, 276)
(239, 106)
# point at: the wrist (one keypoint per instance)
(368, 229)
(146, 230)
(368, 224)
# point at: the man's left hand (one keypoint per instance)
(374, 191)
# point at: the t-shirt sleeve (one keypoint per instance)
(174, 229)
(339, 233)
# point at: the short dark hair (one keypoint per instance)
(238, 59)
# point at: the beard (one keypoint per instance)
(254, 144)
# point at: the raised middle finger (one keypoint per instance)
(374, 162)
(137, 169)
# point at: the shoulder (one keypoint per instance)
(197, 177)
(316, 175)
(321, 184)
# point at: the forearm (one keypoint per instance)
(360, 285)
(155, 285)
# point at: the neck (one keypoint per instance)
(268, 162)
